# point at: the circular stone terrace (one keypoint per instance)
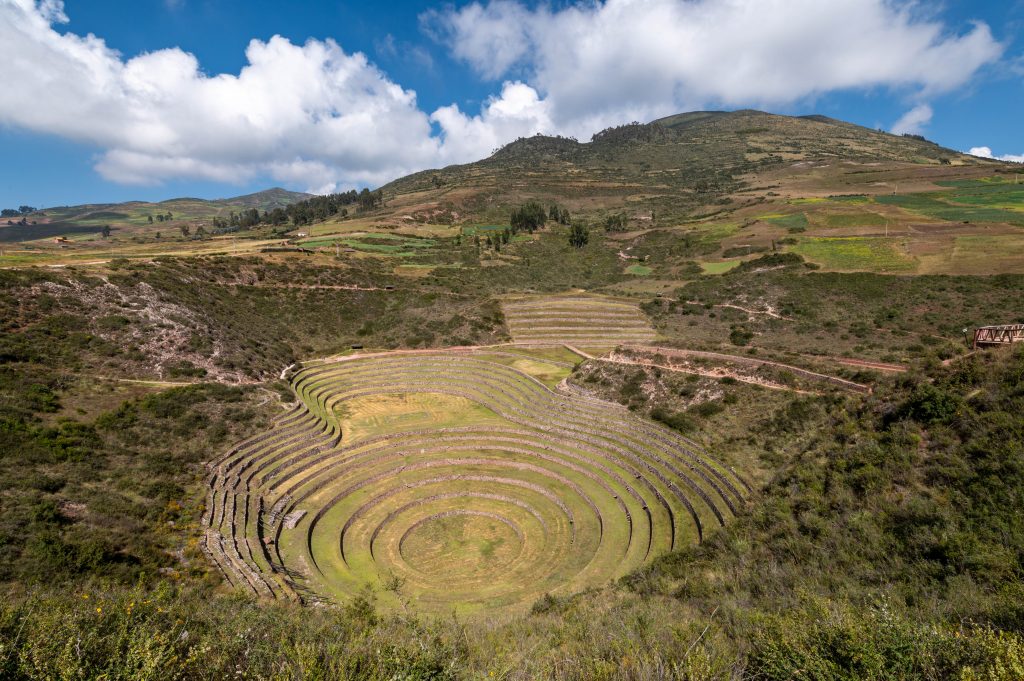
(460, 479)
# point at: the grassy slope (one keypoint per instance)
(884, 545)
(132, 218)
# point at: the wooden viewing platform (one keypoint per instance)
(998, 335)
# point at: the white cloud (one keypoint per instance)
(616, 60)
(493, 39)
(316, 117)
(517, 112)
(986, 152)
(304, 114)
(914, 121)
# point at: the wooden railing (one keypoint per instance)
(998, 335)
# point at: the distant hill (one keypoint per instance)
(135, 216)
(681, 151)
(678, 169)
(681, 168)
(268, 199)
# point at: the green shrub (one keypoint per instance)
(930, 404)
(676, 420)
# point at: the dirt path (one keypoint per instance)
(750, 361)
(426, 351)
(619, 359)
(768, 312)
(143, 381)
(710, 373)
(316, 287)
(577, 351)
(880, 366)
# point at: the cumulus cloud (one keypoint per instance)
(316, 117)
(492, 38)
(986, 152)
(914, 121)
(310, 115)
(517, 112)
(617, 59)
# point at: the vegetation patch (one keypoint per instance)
(967, 202)
(792, 223)
(864, 219)
(719, 267)
(855, 253)
(639, 270)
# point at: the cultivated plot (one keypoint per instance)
(585, 321)
(455, 480)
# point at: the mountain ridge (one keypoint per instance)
(709, 141)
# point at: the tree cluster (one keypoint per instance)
(250, 218)
(21, 210)
(496, 240)
(312, 210)
(529, 217)
(616, 223)
(319, 208)
(315, 209)
(558, 214)
(632, 132)
(579, 235)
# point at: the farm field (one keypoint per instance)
(584, 320)
(455, 480)
(852, 254)
(384, 243)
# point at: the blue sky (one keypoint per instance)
(88, 120)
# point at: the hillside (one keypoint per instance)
(723, 187)
(138, 218)
(701, 189)
(679, 153)
(696, 399)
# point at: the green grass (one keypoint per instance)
(967, 201)
(383, 243)
(719, 267)
(22, 258)
(868, 254)
(854, 220)
(856, 199)
(472, 230)
(639, 270)
(793, 223)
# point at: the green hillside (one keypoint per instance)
(695, 151)
(135, 217)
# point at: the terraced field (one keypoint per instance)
(586, 321)
(466, 480)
